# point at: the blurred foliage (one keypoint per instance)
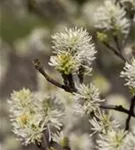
(12, 28)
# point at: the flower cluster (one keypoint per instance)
(129, 74)
(116, 139)
(88, 96)
(35, 114)
(111, 17)
(102, 123)
(65, 63)
(72, 48)
(110, 134)
(31, 116)
(112, 140)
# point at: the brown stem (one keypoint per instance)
(64, 79)
(116, 40)
(71, 82)
(118, 108)
(115, 51)
(131, 111)
(39, 67)
(81, 74)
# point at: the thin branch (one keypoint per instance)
(71, 82)
(118, 108)
(115, 51)
(81, 74)
(39, 67)
(64, 79)
(131, 111)
(116, 40)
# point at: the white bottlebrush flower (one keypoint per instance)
(113, 140)
(111, 17)
(24, 116)
(76, 43)
(65, 63)
(32, 114)
(21, 102)
(72, 40)
(27, 127)
(52, 112)
(88, 96)
(129, 74)
(102, 122)
(80, 142)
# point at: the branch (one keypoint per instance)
(131, 111)
(118, 108)
(71, 82)
(116, 40)
(65, 79)
(39, 67)
(81, 74)
(115, 51)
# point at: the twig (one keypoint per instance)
(39, 67)
(71, 82)
(131, 111)
(64, 79)
(118, 108)
(114, 51)
(116, 40)
(81, 74)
